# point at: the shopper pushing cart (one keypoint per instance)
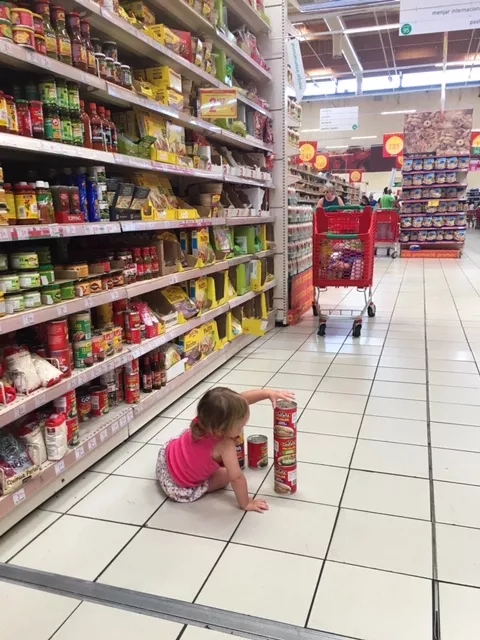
(343, 256)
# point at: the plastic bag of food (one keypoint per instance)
(20, 365)
(14, 458)
(48, 374)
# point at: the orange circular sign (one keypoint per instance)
(355, 176)
(400, 160)
(321, 162)
(394, 145)
(307, 152)
(476, 140)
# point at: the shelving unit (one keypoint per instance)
(434, 220)
(102, 434)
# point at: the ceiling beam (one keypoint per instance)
(335, 23)
(318, 11)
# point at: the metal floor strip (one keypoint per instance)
(237, 624)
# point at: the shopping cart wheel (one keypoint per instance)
(394, 254)
(322, 328)
(371, 310)
(357, 329)
(314, 309)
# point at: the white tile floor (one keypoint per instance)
(351, 553)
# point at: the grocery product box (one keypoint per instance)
(234, 323)
(165, 78)
(140, 11)
(165, 311)
(158, 155)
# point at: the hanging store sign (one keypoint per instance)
(392, 145)
(356, 176)
(475, 144)
(306, 152)
(322, 161)
(339, 119)
(399, 162)
(434, 16)
(295, 61)
(218, 103)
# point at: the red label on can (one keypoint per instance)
(57, 335)
(84, 405)
(285, 479)
(132, 395)
(240, 447)
(62, 359)
(67, 404)
(285, 447)
(99, 399)
(257, 449)
(284, 419)
(72, 432)
(119, 382)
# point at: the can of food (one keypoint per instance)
(84, 404)
(82, 289)
(99, 400)
(108, 342)
(95, 286)
(24, 37)
(80, 267)
(14, 303)
(67, 404)
(132, 394)
(33, 299)
(108, 380)
(57, 335)
(9, 283)
(67, 290)
(119, 383)
(5, 8)
(240, 448)
(117, 339)
(104, 312)
(21, 16)
(62, 359)
(285, 418)
(24, 260)
(133, 366)
(72, 432)
(133, 331)
(40, 44)
(82, 354)
(257, 451)
(98, 347)
(81, 326)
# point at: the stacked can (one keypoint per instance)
(99, 400)
(285, 447)
(131, 377)
(81, 335)
(109, 380)
(240, 447)
(133, 326)
(119, 384)
(59, 348)
(67, 404)
(84, 404)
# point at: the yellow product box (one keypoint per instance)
(164, 77)
(218, 288)
(176, 138)
(190, 345)
(234, 323)
(163, 156)
(210, 341)
(140, 11)
(170, 98)
(164, 35)
(255, 318)
(179, 299)
(186, 213)
(199, 293)
(201, 247)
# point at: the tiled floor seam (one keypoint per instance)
(236, 624)
(351, 460)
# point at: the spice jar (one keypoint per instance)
(62, 94)
(43, 9)
(73, 96)
(24, 119)
(36, 116)
(25, 204)
(77, 129)
(79, 50)
(101, 65)
(109, 69)
(3, 113)
(40, 44)
(126, 76)
(53, 127)
(48, 91)
(85, 31)
(66, 126)
(10, 200)
(12, 114)
(117, 72)
(64, 45)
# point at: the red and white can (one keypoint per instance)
(285, 447)
(119, 383)
(64, 359)
(240, 447)
(257, 451)
(72, 432)
(67, 404)
(99, 400)
(57, 335)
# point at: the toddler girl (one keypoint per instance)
(203, 458)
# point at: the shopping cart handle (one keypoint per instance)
(347, 207)
(341, 236)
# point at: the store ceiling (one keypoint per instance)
(376, 50)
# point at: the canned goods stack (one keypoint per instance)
(132, 382)
(240, 447)
(285, 447)
(67, 404)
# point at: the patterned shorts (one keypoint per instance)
(171, 488)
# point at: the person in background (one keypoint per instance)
(330, 198)
(365, 202)
(387, 201)
(372, 200)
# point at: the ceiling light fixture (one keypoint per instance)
(391, 113)
(462, 63)
(338, 146)
(363, 137)
(372, 29)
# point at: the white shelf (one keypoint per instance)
(244, 11)
(33, 145)
(292, 150)
(24, 404)
(293, 122)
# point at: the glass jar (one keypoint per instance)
(73, 96)
(48, 91)
(85, 31)
(51, 294)
(64, 44)
(53, 126)
(47, 274)
(66, 126)
(25, 205)
(79, 50)
(43, 8)
(12, 114)
(77, 128)
(10, 200)
(109, 62)
(126, 76)
(36, 116)
(101, 65)
(3, 113)
(62, 94)
(32, 299)
(24, 119)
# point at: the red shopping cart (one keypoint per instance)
(387, 231)
(343, 248)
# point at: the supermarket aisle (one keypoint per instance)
(351, 553)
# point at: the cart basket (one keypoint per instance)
(343, 247)
(387, 225)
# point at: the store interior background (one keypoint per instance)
(373, 123)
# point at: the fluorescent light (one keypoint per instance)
(389, 113)
(338, 146)
(466, 63)
(309, 130)
(372, 29)
(363, 137)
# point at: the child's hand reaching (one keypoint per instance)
(257, 505)
(280, 394)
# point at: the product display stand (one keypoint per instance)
(176, 274)
(433, 215)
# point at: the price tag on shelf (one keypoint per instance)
(19, 496)
(115, 426)
(92, 444)
(122, 421)
(22, 233)
(81, 379)
(79, 452)
(5, 234)
(19, 412)
(28, 319)
(62, 310)
(114, 295)
(59, 467)
(103, 435)
(88, 302)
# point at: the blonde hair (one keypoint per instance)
(218, 411)
(330, 187)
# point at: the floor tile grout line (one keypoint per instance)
(65, 621)
(327, 551)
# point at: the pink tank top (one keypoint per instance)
(190, 461)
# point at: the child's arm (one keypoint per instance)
(256, 395)
(237, 478)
